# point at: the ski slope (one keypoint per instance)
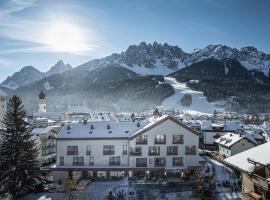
(199, 101)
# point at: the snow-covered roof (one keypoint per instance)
(229, 139)
(39, 131)
(97, 129)
(233, 125)
(100, 130)
(258, 154)
(2, 93)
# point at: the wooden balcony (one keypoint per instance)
(260, 181)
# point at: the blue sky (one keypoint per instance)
(40, 32)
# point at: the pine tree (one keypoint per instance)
(19, 168)
(156, 112)
(110, 195)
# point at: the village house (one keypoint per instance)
(212, 130)
(234, 143)
(46, 143)
(254, 165)
(156, 146)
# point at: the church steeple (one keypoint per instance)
(42, 102)
(42, 95)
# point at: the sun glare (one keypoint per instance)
(65, 37)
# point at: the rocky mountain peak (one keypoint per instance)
(59, 67)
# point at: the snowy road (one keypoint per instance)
(223, 173)
(199, 101)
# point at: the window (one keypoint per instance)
(160, 162)
(141, 162)
(91, 160)
(61, 160)
(114, 160)
(142, 139)
(172, 150)
(108, 150)
(2, 99)
(160, 139)
(178, 139)
(72, 150)
(153, 150)
(78, 160)
(124, 149)
(190, 150)
(177, 161)
(135, 151)
(88, 150)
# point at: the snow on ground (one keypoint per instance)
(223, 173)
(199, 101)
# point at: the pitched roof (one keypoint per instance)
(229, 139)
(258, 153)
(159, 121)
(123, 130)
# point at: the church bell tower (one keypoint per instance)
(42, 102)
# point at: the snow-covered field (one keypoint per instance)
(199, 101)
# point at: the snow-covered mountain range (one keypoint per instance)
(151, 59)
(163, 59)
(30, 74)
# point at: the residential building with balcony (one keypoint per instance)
(46, 142)
(254, 165)
(156, 145)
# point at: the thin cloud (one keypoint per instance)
(30, 35)
(13, 6)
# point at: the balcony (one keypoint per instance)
(115, 163)
(108, 152)
(160, 141)
(260, 181)
(135, 153)
(153, 153)
(160, 162)
(178, 142)
(171, 153)
(144, 164)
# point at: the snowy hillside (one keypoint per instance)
(199, 102)
(30, 74)
(26, 75)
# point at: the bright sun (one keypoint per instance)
(65, 37)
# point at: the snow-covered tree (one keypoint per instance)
(19, 168)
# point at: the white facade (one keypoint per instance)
(130, 147)
(231, 144)
(3, 105)
(42, 106)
